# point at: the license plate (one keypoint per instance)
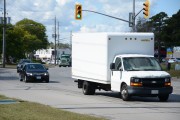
(154, 91)
(38, 77)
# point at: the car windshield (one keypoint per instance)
(35, 67)
(141, 64)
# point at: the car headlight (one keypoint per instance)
(46, 74)
(29, 74)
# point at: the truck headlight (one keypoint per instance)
(136, 82)
(167, 81)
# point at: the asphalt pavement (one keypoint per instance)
(63, 93)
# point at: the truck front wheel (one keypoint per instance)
(88, 88)
(124, 93)
(163, 98)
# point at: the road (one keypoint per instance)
(63, 93)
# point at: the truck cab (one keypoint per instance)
(65, 60)
(139, 75)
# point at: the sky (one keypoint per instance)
(45, 11)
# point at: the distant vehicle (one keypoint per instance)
(65, 60)
(21, 63)
(172, 60)
(34, 72)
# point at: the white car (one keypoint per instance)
(172, 60)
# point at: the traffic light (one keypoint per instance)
(78, 12)
(146, 9)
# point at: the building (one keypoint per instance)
(49, 54)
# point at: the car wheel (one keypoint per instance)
(20, 78)
(25, 79)
(47, 81)
(124, 93)
(163, 98)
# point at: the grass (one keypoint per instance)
(33, 111)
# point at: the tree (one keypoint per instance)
(14, 43)
(24, 38)
(143, 25)
(171, 31)
(38, 32)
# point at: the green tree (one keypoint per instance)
(38, 32)
(23, 38)
(14, 42)
(171, 31)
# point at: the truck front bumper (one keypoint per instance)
(145, 91)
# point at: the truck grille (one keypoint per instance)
(63, 61)
(153, 82)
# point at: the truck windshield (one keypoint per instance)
(141, 64)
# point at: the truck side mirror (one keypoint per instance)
(112, 66)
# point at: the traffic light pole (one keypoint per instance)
(132, 15)
(134, 27)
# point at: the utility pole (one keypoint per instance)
(4, 36)
(71, 41)
(55, 42)
(58, 38)
(58, 33)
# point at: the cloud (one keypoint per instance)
(44, 11)
(104, 28)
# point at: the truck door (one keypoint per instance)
(116, 75)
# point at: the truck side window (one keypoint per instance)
(117, 63)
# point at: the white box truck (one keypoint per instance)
(120, 62)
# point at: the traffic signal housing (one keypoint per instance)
(146, 9)
(78, 12)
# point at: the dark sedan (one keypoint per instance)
(21, 63)
(34, 72)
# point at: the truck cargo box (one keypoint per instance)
(92, 53)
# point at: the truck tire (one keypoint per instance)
(124, 93)
(163, 98)
(88, 88)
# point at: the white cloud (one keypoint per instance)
(104, 28)
(44, 11)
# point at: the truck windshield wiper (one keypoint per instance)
(133, 70)
(149, 69)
